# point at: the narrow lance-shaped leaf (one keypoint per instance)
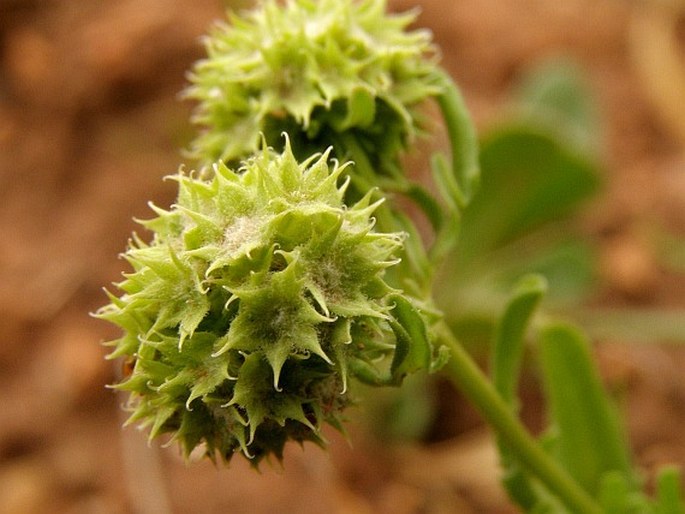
(590, 441)
(506, 363)
(509, 338)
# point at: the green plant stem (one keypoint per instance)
(462, 136)
(473, 383)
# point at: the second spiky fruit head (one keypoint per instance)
(258, 297)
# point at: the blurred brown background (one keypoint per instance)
(90, 120)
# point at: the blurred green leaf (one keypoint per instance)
(528, 179)
(568, 266)
(555, 96)
(535, 175)
(506, 363)
(509, 340)
(618, 496)
(590, 441)
(669, 495)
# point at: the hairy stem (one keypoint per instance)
(472, 382)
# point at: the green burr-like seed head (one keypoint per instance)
(328, 72)
(258, 295)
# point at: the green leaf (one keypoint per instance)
(554, 95)
(528, 179)
(568, 265)
(509, 338)
(614, 493)
(413, 351)
(669, 495)
(506, 363)
(590, 441)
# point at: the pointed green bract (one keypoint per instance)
(243, 312)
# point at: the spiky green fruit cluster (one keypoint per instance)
(257, 298)
(327, 72)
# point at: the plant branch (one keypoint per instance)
(472, 382)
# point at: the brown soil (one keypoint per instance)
(90, 121)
